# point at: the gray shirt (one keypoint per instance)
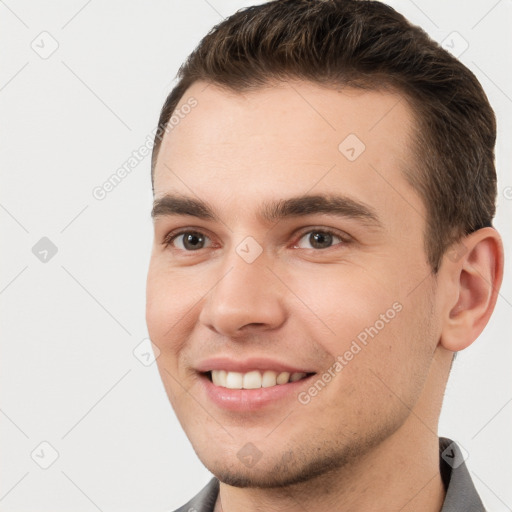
(461, 495)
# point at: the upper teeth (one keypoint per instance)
(253, 379)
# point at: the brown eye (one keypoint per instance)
(190, 241)
(318, 239)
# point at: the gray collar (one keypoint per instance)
(461, 495)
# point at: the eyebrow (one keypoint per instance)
(273, 211)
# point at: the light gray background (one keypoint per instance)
(69, 326)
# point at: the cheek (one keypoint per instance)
(168, 310)
(158, 302)
(395, 362)
(343, 301)
(167, 322)
(169, 295)
(380, 335)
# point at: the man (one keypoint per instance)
(324, 188)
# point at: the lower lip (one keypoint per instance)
(252, 399)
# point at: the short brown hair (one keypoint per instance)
(367, 44)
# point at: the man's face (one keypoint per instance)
(306, 257)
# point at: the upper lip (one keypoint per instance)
(247, 365)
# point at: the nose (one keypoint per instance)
(248, 298)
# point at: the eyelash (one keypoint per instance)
(170, 237)
(345, 239)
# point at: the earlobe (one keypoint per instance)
(476, 276)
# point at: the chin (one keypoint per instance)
(292, 461)
(284, 470)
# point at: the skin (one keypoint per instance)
(370, 436)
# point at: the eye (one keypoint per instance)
(187, 240)
(319, 239)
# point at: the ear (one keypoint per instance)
(473, 268)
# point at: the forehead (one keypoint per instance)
(286, 140)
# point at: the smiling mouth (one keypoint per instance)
(255, 379)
